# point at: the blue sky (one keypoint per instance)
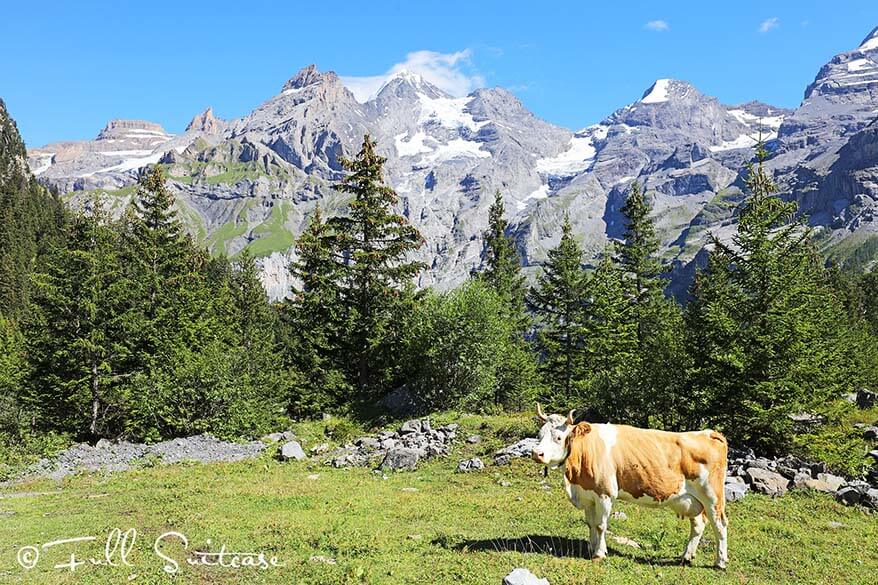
(68, 67)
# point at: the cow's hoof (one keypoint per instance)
(686, 561)
(721, 565)
(598, 557)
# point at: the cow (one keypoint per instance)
(604, 462)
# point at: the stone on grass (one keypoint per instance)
(767, 482)
(292, 450)
(736, 491)
(848, 496)
(474, 464)
(400, 459)
(521, 576)
(870, 498)
(870, 433)
(473, 439)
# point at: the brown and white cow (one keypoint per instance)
(604, 462)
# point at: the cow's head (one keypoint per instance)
(552, 447)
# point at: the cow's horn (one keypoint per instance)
(540, 414)
(570, 416)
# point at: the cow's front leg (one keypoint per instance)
(696, 530)
(592, 522)
(603, 507)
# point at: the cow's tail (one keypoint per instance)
(720, 485)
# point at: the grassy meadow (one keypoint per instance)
(433, 525)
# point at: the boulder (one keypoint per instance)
(848, 496)
(410, 426)
(474, 439)
(318, 449)
(292, 450)
(834, 481)
(522, 448)
(400, 459)
(870, 498)
(866, 398)
(820, 485)
(766, 482)
(736, 491)
(800, 478)
(474, 464)
(521, 576)
(368, 443)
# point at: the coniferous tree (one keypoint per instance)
(80, 352)
(313, 323)
(654, 388)
(771, 346)
(503, 268)
(373, 243)
(610, 340)
(557, 301)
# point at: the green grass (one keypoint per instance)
(427, 526)
(273, 234)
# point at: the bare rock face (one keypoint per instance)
(206, 123)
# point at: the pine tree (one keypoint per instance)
(503, 269)
(769, 320)
(313, 324)
(639, 255)
(610, 340)
(373, 243)
(79, 349)
(557, 301)
(654, 388)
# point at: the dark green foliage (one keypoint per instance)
(558, 303)
(372, 245)
(764, 325)
(31, 220)
(80, 351)
(313, 323)
(13, 369)
(656, 393)
(463, 353)
(503, 266)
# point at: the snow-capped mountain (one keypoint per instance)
(251, 182)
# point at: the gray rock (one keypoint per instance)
(522, 448)
(870, 433)
(368, 443)
(870, 498)
(767, 482)
(848, 496)
(474, 464)
(400, 459)
(521, 576)
(800, 478)
(410, 426)
(319, 449)
(292, 450)
(833, 481)
(474, 439)
(736, 491)
(735, 479)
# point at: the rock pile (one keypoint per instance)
(523, 448)
(774, 477)
(414, 441)
(121, 455)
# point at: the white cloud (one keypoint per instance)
(657, 25)
(769, 24)
(450, 72)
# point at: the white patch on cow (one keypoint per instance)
(608, 434)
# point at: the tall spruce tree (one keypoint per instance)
(770, 345)
(610, 341)
(79, 349)
(503, 267)
(654, 387)
(557, 300)
(373, 243)
(313, 322)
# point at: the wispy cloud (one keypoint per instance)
(657, 25)
(451, 72)
(769, 24)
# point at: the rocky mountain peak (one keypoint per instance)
(205, 122)
(406, 84)
(308, 76)
(117, 128)
(870, 43)
(666, 90)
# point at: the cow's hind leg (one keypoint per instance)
(603, 507)
(696, 529)
(714, 508)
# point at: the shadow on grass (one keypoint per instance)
(556, 546)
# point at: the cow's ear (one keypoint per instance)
(581, 429)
